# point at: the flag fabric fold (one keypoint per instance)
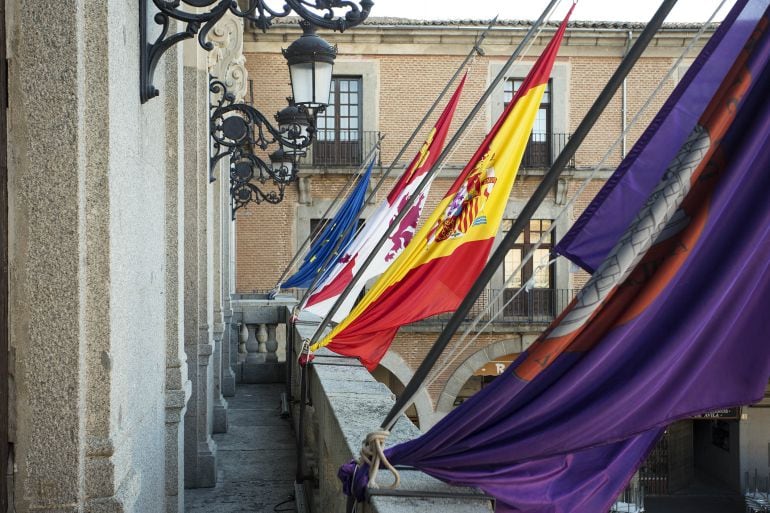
(672, 324)
(600, 225)
(337, 233)
(328, 291)
(443, 259)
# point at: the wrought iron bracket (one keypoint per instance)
(250, 178)
(239, 129)
(258, 13)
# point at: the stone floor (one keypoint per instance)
(685, 504)
(256, 457)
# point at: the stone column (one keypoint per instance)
(178, 387)
(227, 63)
(87, 260)
(200, 449)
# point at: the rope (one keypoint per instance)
(373, 454)
(459, 347)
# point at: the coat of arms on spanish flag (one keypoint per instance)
(435, 271)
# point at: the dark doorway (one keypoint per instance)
(3, 266)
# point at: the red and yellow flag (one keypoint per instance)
(436, 270)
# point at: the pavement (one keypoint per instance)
(256, 457)
(689, 504)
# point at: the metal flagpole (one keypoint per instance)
(475, 50)
(428, 176)
(331, 257)
(549, 180)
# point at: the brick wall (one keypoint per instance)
(408, 85)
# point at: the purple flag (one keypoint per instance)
(673, 323)
(595, 232)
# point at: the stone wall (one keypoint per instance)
(97, 253)
(346, 403)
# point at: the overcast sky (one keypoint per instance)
(606, 10)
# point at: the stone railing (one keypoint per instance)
(344, 403)
(259, 341)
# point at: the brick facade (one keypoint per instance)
(411, 64)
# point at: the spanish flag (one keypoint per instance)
(436, 270)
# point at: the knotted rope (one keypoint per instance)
(373, 454)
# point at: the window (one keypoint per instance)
(339, 126)
(539, 302)
(538, 152)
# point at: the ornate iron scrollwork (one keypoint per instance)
(239, 127)
(258, 13)
(254, 181)
(239, 131)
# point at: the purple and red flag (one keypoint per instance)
(672, 324)
(600, 225)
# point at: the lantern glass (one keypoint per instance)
(302, 82)
(310, 60)
(282, 166)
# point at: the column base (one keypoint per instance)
(260, 373)
(220, 416)
(228, 383)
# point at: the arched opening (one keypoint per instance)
(390, 380)
(483, 376)
(477, 371)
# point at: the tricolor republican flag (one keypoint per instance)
(327, 292)
(439, 266)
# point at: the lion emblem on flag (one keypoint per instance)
(468, 202)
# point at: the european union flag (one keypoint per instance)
(335, 236)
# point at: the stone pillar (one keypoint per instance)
(271, 344)
(227, 63)
(178, 387)
(87, 260)
(200, 449)
(253, 345)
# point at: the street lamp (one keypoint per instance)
(310, 60)
(331, 14)
(295, 123)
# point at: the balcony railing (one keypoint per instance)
(543, 148)
(538, 306)
(349, 147)
(346, 148)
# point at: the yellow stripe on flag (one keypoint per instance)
(482, 198)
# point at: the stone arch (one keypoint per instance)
(422, 402)
(464, 372)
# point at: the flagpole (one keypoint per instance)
(330, 258)
(428, 176)
(314, 233)
(475, 50)
(549, 180)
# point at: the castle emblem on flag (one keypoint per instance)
(468, 203)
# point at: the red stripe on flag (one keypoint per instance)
(369, 336)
